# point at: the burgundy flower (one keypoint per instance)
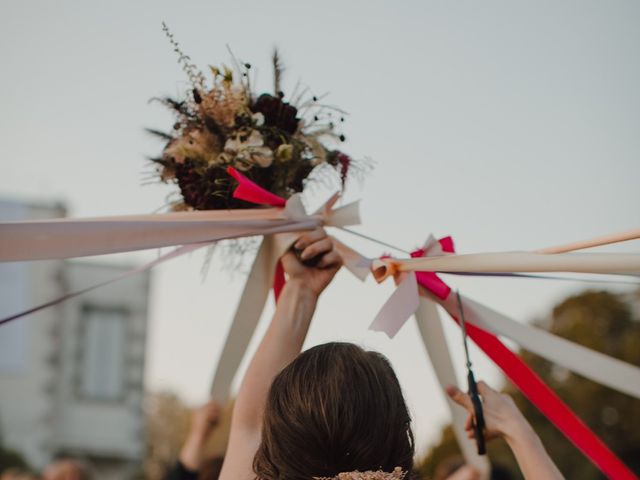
(277, 113)
(344, 161)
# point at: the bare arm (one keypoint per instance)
(503, 419)
(280, 345)
(203, 423)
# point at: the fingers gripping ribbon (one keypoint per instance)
(265, 272)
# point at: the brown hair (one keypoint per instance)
(335, 408)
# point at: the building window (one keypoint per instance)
(103, 354)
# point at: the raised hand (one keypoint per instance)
(502, 417)
(311, 245)
(205, 418)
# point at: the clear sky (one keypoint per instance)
(510, 125)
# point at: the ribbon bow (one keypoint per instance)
(249, 191)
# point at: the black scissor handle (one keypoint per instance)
(478, 421)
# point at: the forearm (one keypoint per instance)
(191, 452)
(280, 345)
(533, 459)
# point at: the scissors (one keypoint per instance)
(478, 420)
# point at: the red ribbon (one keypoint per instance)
(250, 191)
(532, 386)
(430, 280)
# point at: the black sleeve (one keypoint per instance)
(180, 472)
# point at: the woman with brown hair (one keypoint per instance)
(337, 409)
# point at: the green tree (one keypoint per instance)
(603, 322)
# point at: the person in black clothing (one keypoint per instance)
(191, 464)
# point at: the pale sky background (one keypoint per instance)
(510, 125)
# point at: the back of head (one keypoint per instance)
(336, 408)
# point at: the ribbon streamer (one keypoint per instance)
(596, 366)
(550, 277)
(252, 192)
(432, 333)
(532, 387)
(594, 242)
(67, 238)
(610, 263)
(245, 320)
(147, 266)
(402, 304)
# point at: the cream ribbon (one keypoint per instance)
(610, 263)
(245, 320)
(432, 333)
(68, 237)
(596, 366)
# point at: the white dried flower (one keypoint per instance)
(258, 119)
(249, 149)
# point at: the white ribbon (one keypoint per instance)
(432, 333)
(610, 263)
(591, 364)
(245, 320)
(403, 303)
(68, 237)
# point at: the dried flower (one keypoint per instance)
(249, 149)
(222, 122)
(223, 103)
(397, 474)
(319, 153)
(277, 113)
(284, 152)
(195, 144)
(258, 119)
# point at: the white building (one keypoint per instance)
(71, 375)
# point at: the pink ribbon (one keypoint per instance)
(546, 400)
(250, 191)
(430, 280)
